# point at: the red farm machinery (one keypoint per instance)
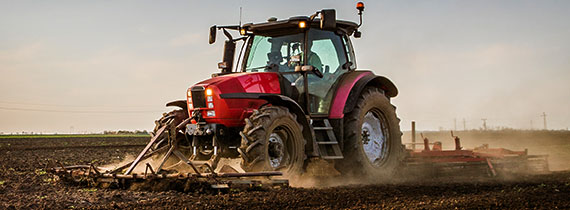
(434, 161)
(293, 95)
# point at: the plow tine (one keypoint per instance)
(148, 167)
(166, 156)
(145, 150)
(129, 163)
(182, 124)
(92, 168)
(185, 160)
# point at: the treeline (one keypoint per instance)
(122, 132)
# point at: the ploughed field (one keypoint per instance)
(24, 184)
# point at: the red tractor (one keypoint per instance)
(293, 94)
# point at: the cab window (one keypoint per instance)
(277, 54)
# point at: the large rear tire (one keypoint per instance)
(372, 138)
(272, 140)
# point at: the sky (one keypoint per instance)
(91, 66)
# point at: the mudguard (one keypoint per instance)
(180, 103)
(351, 87)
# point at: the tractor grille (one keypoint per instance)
(198, 98)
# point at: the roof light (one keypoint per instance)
(360, 6)
(209, 92)
(302, 24)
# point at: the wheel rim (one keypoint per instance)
(375, 137)
(276, 149)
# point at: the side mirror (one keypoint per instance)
(328, 19)
(212, 37)
(228, 60)
(357, 34)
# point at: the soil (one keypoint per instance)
(25, 184)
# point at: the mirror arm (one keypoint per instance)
(243, 38)
(360, 14)
(314, 15)
(227, 34)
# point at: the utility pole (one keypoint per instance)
(464, 127)
(455, 124)
(544, 118)
(484, 123)
(413, 135)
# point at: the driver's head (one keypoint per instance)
(274, 57)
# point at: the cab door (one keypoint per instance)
(327, 53)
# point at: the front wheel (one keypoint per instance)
(272, 140)
(372, 137)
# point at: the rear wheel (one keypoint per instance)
(272, 140)
(372, 137)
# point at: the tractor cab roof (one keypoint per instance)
(293, 25)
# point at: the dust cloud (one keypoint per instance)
(554, 144)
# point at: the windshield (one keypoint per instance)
(275, 54)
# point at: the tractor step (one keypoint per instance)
(328, 145)
(327, 142)
(332, 157)
(322, 128)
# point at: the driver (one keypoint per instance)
(313, 59)
(274, 61)
(274, 57)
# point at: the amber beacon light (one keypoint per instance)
(360, 7)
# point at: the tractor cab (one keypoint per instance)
(310, 55)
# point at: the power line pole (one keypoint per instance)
(544, 118)
(413, 135)
(464, 127)
(484, 123)
(455, 124)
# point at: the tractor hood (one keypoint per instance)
(206, 96)
(261, 82)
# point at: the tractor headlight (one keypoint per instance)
(209, 98)
(211, 113)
